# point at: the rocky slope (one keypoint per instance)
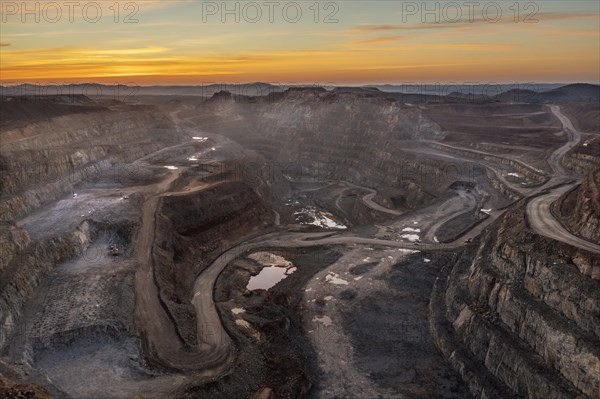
(519, 315)
(579, 209)
(584, 158)
(28, 265)
(357, 137)
(192, 230)
(12, 389)
(42, 161)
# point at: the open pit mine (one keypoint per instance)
(301, 243)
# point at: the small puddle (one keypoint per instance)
(267, 278)
(275, 269)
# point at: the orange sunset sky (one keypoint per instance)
(345, 42)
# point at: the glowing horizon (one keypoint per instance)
(187, 43)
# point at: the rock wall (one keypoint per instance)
(315, 134)
(499, 185)
(28, 265)
(13, 240)
(191, 231)
(518, 166)
(10, 388)
(579, 209)
(519, 309)
(43, 161)
(584, 158)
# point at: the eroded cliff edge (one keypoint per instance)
(519, 314)
(579, 209)
(44, 161)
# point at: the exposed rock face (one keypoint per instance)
(355, 137)
(499, 185)
(520, 167)
(519, 316)
(579, 209)
(13, 240)
(13, 389)
(520, 312)
(192, 230)
(337, 136)
(347, 115)
(43, 161)
(584, 158)
(26, 268)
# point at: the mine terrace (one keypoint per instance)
(301, 242)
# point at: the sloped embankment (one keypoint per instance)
(519, 315)
(579, 209)
(191, 231)
(42, 161)
(26, 265)
(355, 137)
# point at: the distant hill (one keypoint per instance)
(486, 89)
(573, 92)
(361, 90)
(519, 96)
(531, 93)
(121, 92)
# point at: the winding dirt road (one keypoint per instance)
(368, 200)
(539, 213)
(157, 330)
(450, 209)
(544, 223)
(214, 354)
